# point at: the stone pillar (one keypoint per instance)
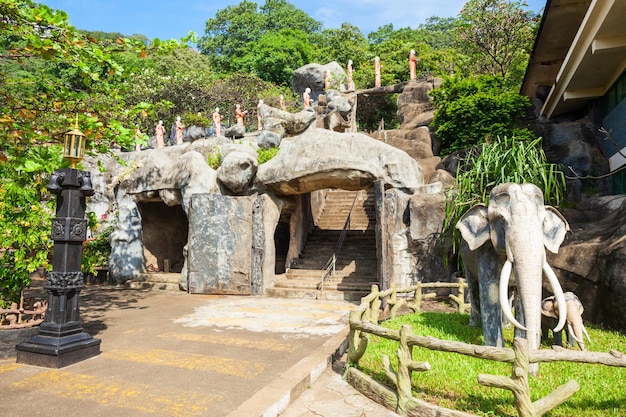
(61, 340)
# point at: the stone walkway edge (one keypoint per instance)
(284, 390)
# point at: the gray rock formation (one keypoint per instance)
(323, 159)
(268, 139)
(577, 146)
(414, 106)
(236, 131)
(284, 123)
(237, 171)
(195, 133)
(312, 76)
(592, 259)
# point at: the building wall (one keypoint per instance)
(614, 121)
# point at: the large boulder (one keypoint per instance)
(236, 131)
(352, 161)
(237, 171)
(312, 76)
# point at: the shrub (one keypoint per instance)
(472, 109)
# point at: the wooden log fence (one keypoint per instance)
(364, 322)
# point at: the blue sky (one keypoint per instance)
(167, 19)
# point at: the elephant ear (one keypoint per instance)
(474, 226)
(548, 308)
(554, 229)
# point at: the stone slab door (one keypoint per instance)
(220, 244)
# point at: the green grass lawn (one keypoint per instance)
(452, 381)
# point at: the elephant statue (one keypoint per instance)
(575, 327)
(507, 238)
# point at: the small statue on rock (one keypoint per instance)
(349, 73)
(217, 121)
(258, 115)
(179, 131)
(160, 134)
(240, 114)
(306, 98)
(413, 60)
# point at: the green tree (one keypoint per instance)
(230, 36)
(276, 55)
(49, 72)
(472, 110)
(498, 34)
(341, 45)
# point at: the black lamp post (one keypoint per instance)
(61, 340)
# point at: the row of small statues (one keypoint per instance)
(216, 118)
(413, 60)
(241, 114)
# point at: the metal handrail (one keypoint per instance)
(329, 267)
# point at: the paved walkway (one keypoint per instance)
(173, 354)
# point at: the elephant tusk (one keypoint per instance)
(586, 334)
(505, 275)
(558, 295)
(571, 331)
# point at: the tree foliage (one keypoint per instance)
(231, 36)
(472, 110)
(498, 34)
(49, 72)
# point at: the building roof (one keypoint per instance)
(579, 53)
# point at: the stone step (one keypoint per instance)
(156, 281)
(329, 284)
(346, 274)
(344, 267)
(354, 296)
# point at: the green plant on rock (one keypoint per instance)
(214, 159)
(266, 154)
(492, 163)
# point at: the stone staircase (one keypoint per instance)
(356, 265)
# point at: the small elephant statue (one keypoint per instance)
(575, 327)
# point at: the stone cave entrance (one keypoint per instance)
(282, 236)
(165, 232)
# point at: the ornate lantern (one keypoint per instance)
(74, 145)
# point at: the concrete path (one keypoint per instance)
(173, 354)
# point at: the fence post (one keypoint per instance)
(357, 340)
(394, 303)
(518, 382)
(460, 298)
(406, 366)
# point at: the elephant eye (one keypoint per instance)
(501, 198)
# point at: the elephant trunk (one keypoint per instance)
(529, 278)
